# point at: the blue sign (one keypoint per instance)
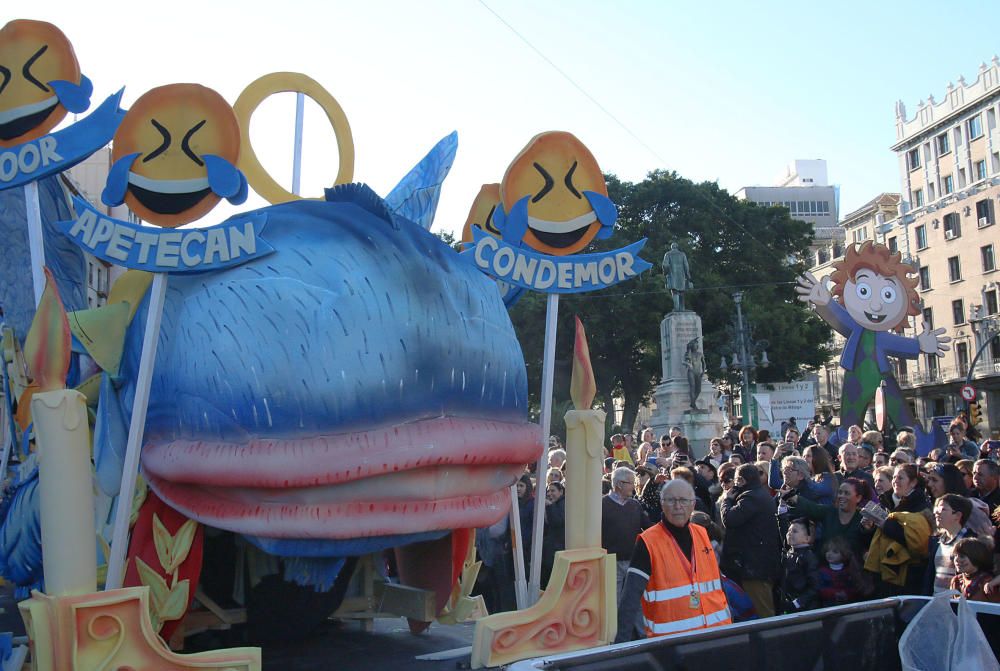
(62, 150)
(166, 250)
(554, 274)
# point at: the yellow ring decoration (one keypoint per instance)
(289, 82)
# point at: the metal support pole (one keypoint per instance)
(36, 244)
(744, 359)
(548, 370)
(300, 99)
(137, 426)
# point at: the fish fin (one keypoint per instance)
(110, 438)
(416, 195)
(362, 196)
(117, 182)
(74, 97)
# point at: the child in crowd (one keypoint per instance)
(840, 578)
(800, 586)
(973, 570)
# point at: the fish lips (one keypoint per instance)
(433, 474)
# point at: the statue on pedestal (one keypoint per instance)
(694, 362)
(678, 275)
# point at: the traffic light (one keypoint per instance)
(975, 413)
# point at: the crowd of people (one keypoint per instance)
(762, 525)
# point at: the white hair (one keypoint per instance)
(619, 474)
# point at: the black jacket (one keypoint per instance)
(800, 584)
(752, 548)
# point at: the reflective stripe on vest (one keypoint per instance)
(683, 591)
(697, 622)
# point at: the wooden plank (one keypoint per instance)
(411, 602)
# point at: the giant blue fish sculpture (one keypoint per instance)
(360, 383)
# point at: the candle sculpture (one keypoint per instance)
(578, 609)
(72, 626)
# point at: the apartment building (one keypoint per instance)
(949, 163)
(805, 191)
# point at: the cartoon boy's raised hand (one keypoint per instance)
(932, 342)
(811, 290)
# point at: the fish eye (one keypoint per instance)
(888, 294)
(863, 290)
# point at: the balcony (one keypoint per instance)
(947, 374)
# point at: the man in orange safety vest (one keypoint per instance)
(673, 574)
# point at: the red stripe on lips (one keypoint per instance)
(443, 473)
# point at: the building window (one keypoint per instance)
(995, 349)
(991, 302)
(975, 127)
(958, 311)
(947, 184)
(921, 237)
(989, 262)
(918, 197)
(928, 317)
(962, 358)
(925, 278)
(952, 226)
(913, 158)
(954, 269)
(943, 147)
(984, 213)
(892, 244)
(980, 168)
(932, 365)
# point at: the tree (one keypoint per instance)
(731, 244)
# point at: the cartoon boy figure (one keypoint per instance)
(877, 293)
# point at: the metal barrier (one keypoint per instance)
(859, 637)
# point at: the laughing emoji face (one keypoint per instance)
(37, 63)
(558, 181)
(481, 213)
(174, 155)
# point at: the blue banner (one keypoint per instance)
(554, 274)
(167, 250)
(61, 150)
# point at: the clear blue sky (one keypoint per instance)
(727, 91)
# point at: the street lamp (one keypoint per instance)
(743, 348)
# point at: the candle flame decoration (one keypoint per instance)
(582, 387)
(47, 347)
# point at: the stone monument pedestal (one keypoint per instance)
(702, 422)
